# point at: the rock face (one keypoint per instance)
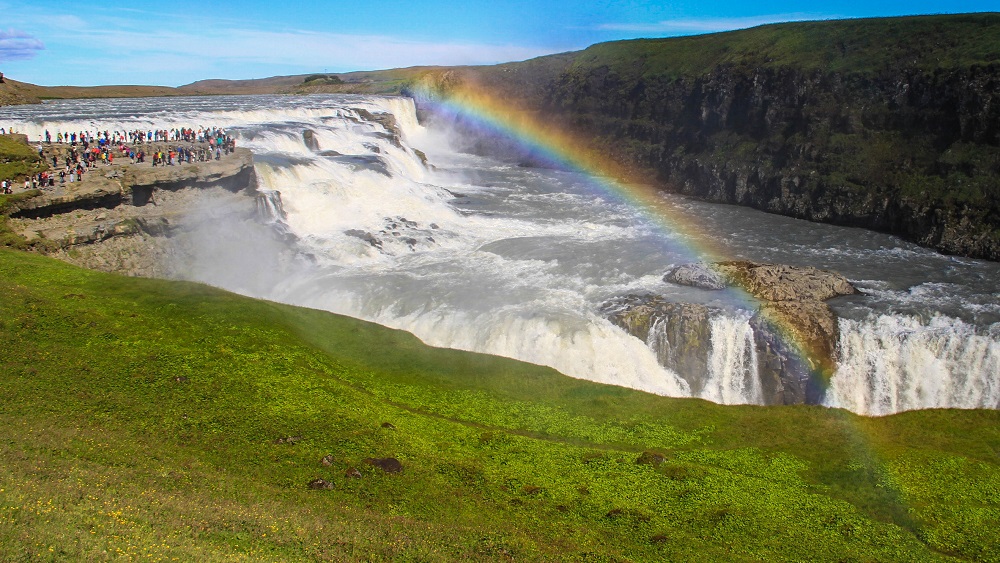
(679, 333)
(119, 217)
(889, 124)
(794, 332)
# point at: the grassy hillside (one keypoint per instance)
(846, 46)
(150, 419)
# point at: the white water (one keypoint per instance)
(894, 363)
(732, 365)
(479, 255)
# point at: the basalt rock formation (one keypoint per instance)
(889, 124)
(795, 333)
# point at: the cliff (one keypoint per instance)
(794, 332)
(889, 124)
(118, 218)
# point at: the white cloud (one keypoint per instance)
(704, 25)
(118, 46)
(16, 45)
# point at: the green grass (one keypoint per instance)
(141, 420)
(844, 46)
(17, 159)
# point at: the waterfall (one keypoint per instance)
(269, 207)
(733, 375)
(715, 354)
(478, 254)
(890, 364)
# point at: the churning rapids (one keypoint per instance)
(477, 254)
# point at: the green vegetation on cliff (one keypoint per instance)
(17, 159)
(927, 43)
(161, 420)
(891, 124)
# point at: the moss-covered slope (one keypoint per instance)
(169, 420)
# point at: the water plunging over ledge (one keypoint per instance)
(482, 255)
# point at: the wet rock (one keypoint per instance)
(780, 282)
(813, 328)
(386, 464)
(679, 333)
(365, 236)
(695, 275)
(310, 140)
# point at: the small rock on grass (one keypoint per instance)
(387, 464)
(327, 460)
(320, 484)
(352, 473)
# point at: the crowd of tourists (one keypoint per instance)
(89, 149)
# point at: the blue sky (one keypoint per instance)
(55, 42)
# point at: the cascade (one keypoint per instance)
(479, 254)
(269, 207)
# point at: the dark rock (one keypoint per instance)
(365, 236)
(695, 275)
(309, 138)
(388, 426)
(386, 464)
(679, 333)
(320, 484)
(651, 458)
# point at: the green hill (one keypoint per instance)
(162, 420)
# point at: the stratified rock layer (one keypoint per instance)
(795, 332)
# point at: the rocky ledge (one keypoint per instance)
(134, 184)
(795, 332)
(117, 217)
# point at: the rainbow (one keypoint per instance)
(488, 111)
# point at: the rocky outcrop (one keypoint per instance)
(117, 218)
(111, 186)
(679, 333)
(795, 333)
(235, 172)
(886, 124)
